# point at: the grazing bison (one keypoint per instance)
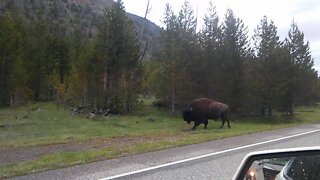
(191, 115)
(200, 110)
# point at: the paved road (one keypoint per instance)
(221, 165)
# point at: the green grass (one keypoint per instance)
(50, 125)
(19, 129)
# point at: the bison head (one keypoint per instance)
(188, 115)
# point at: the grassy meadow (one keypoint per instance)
(151, 129)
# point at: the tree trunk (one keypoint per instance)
(291, 108)
(269, 111)
(105, 80)
(4, 82)
(11, 101)
(262, 111)
(173, 101)
(84, 95)
(145, 19)
(60, 99)
(173, 89)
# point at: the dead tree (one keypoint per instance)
(145, 20)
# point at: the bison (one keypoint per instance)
(200, 110)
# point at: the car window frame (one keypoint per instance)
(278, 153)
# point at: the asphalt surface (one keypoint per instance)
(222, 165)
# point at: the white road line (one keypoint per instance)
(206, 155)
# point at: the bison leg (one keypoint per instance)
(196, 123)
(205, 123)
(224, 119)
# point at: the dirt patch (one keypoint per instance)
(28, 153)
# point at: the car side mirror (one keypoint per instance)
(283, 164)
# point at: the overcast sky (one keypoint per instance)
(306, 14)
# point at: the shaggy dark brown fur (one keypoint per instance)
(204, 109)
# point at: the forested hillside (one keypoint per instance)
(66, 16)
(88, 52)
(51, 48)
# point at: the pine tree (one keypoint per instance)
(119, 48)
(80, 79)
(58, 57)
(211, 36)
(188, 56)
(13, 57)
(267, 46)
(235, 51)
(5, 23)
(168, 74)
(180, 49)
(305, 76)
(39, 66)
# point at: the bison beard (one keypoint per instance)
(202, 109)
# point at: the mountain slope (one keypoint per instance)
(66, 16)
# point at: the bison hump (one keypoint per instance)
(218, 105)
(201, 104)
